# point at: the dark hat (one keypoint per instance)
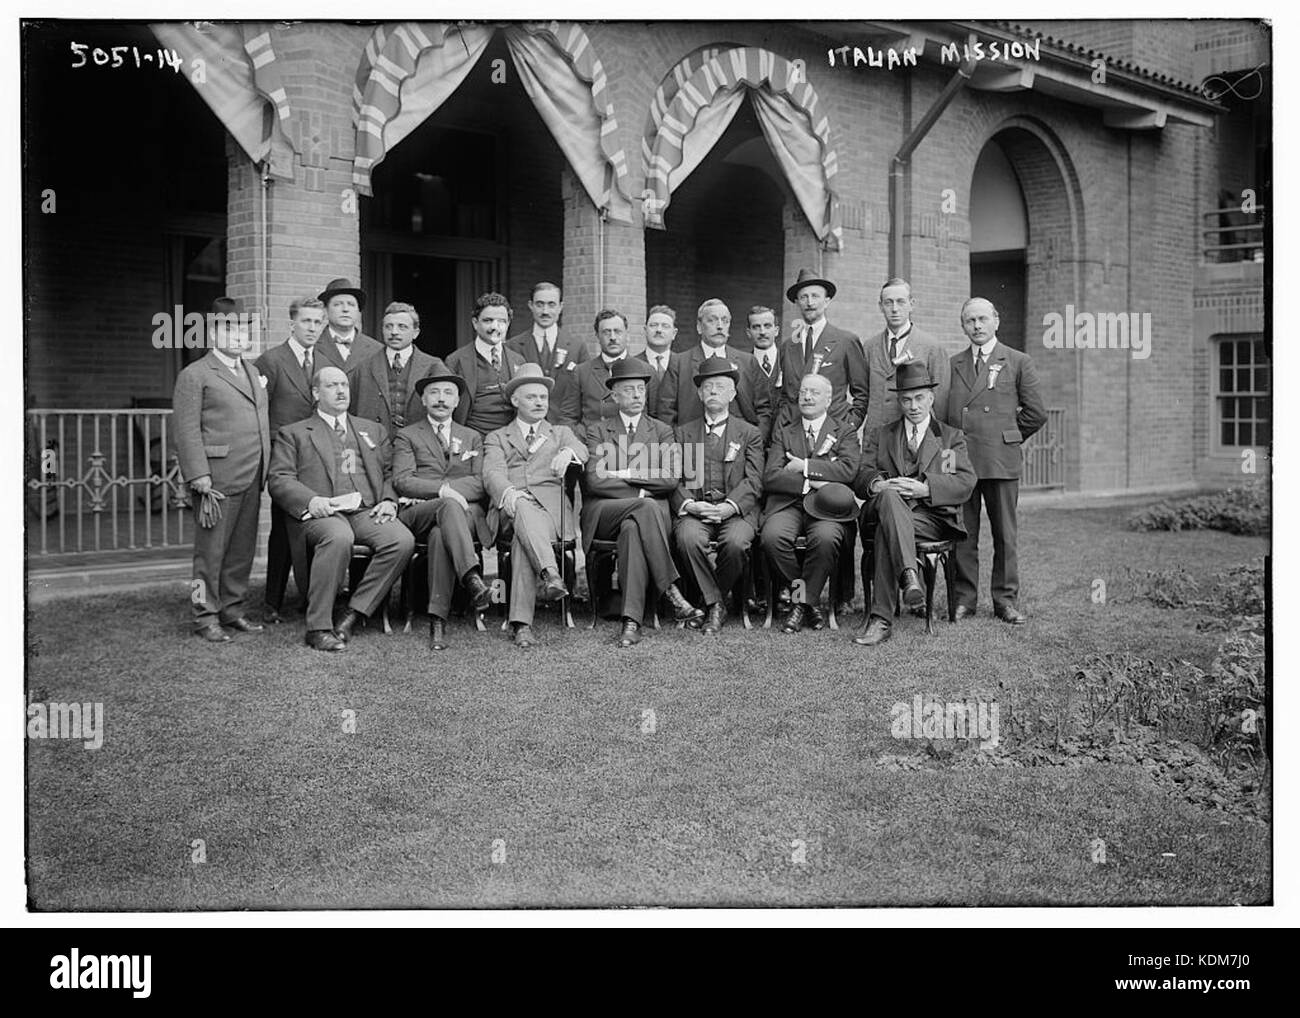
(809, 278)
(528, 374)
(913, 375)
(442, 376)
(717, 367)
(226, 306)
(338, 286)
(834, 502)
(629, 369)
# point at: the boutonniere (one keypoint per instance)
(732, 449)
(366, 438)
(993, 374)
(536, 444)
(903, 358)
(826, 445)
(455, 444)
(262, 379)
(817, 362)
(468, 454)
(571, 366)
(560, 354)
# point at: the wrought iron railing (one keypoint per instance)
(1043, 454)
(102, 481)
(1231, 235)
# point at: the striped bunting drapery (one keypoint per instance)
(706, 100)
(242, 84)
(408, 70)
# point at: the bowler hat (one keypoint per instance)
(628, 370)
(913, 375)
(833, 502)
(809, 278)
(442, 376)
(528, 374)
(338, 286)
(716, 367)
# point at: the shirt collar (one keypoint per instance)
(485, 350)
(402, 356)
(444, 426)
(815, 330)
(608, 362)
(524, 426)
(817, 423)
(298, 349)
(924, 425)
(713, 351)
(345, 338)
(632, 421)
(986, 350)
(541, 335)
(231, 362)
(902, 336)
(713, 424)
(654, 356)
(330, 418)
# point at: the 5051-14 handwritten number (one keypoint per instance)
(116, 56)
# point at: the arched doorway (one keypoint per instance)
(999, 237)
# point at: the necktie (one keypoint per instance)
(344, 347)
(913, 437)
(339, 429)
(812, 439)
(631, 429)
(532, 435)
(659, 364)
(893, 348)
(496, 359)
(767, 365)
(442, 436)
(979, 362)
(306, 369)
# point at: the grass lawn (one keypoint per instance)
(486, 776)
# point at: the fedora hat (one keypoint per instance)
(338, 286)
(833, 502)
(628, 370)
(528, 374)
(716, 367)
(809, 278)
(913, 375)
(441, 376)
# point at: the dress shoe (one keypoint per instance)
(878, 631)
(630, 634)
(524, 637)
(844, 608)
(480, 594)
(913, 592)
(271, 616)
(213, 633)
(553, 588)
(714, 618)
(793, 621)
(963, 611)
(683, 610)
(1011, 615)
(756, 605)
(323, 639)
(242, 625)
(813, 617)
(437, 633)
(351, 618)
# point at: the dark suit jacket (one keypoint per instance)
(420, 468)
(303, 463)
(842, 362)
(464, 362)
(882, 407)
(370, 394)
(221, 425)
(743, 475)
(773, 380)
(951, 477)
(835, 457)
(507, 463)
(288, 393)
(566, 357)
(609, 449)
(656, 391)
(588, 401)
(363, 348)
(753, 391)
(996, 420)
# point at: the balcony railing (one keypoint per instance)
(102, 481)
(1042, 457)
(1231, 235)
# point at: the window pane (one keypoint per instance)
(1261, 378)
(1225, 379)
(1226, 435)
(1263, 433)
(1243, 380)
(1243, 351)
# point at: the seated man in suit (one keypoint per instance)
(717, 499)
(441, 462)
(486, 364)
(633, 466)
(915, 476)
(543, 345)
(815, 450)
(523, 471)
(383, 386)
(329, 474)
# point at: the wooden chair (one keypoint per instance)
(930, 555)
(773, 585)
(566, 553)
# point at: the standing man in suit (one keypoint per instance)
(717, 499)
(219, 412)
(660, 331)
(752, 401)
(806, 456)
(589, 401)
(633, 466)
(383, 386)
(816, 347)
(764, 333)
(524, 465)
(543, 346)
(916, 477)
(994, 399)
(900, 342)
(486, 364)
(329, 474)
(288, 370)
(343, 343)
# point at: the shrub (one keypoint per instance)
(1241, 510)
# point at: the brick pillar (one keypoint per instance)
(601, 274)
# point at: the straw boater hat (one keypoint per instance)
(834, 502)
(716, 367)
(628, 370)
(809, 278)
(338, 286)
(528, 374)
(913, 376)
(442, 376)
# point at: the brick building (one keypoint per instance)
(1054, 165)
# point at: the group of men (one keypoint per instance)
(688, 456)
